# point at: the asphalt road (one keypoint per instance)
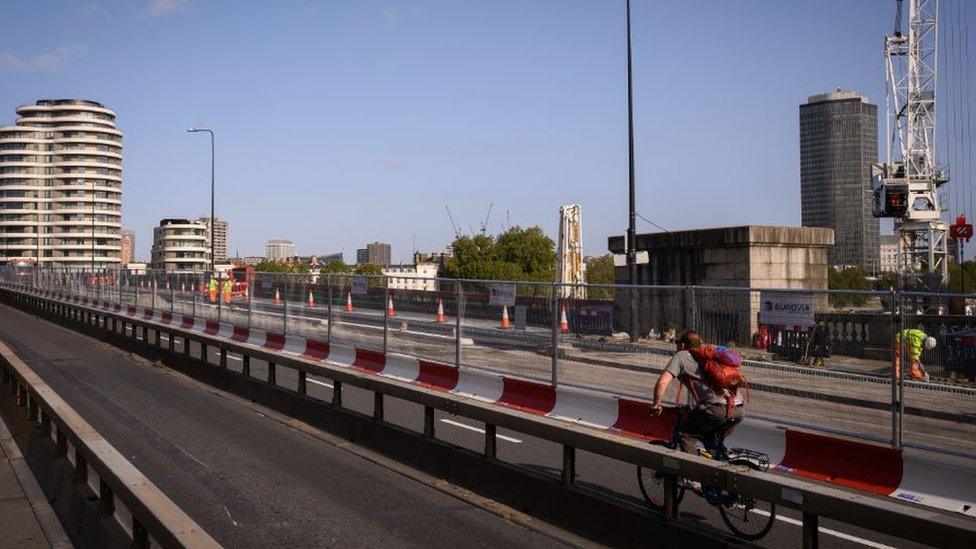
(604, 474)
(249, 480)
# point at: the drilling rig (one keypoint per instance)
(907, 186)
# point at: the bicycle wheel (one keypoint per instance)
(651, 485)
(748, 518)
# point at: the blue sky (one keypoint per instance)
(340, 123)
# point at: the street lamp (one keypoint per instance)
(196, 130)
(632, 227)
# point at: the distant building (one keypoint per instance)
(279, 249)
(128, 247)
(219, 236)
(362, 256)
(378, 253)
(181, 246)
(438, 258)
(889, 253)
(331, 257)
(838, 146)
(420, 277)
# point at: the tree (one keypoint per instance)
(849, 278)
(272, 266)
(373, 271)
(517, 254)
(600, 270)
(956, 278)
(336, 267)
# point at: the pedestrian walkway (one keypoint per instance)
(23, 506)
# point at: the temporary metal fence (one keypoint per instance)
(834, 370)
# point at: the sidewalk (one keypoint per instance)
(23, 506)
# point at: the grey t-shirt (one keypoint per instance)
(683, 364)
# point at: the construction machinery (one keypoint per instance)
(572, 270)
(906, 187)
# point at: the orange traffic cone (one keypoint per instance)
(349, 302)
(277, 298)
(311, 299)
(440, 311)
(505, 322)
(563, 322)
(389, 307)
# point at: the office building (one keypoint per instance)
(279, 249)
(61, 185)
(219, 236)
(362, 256)
(838, 146)
(378, 253)
(128, 247)
(181, 246)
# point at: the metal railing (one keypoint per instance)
(836, 372)
(142, 510)
(815, 500)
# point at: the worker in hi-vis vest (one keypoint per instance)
(914, 341)
(212, 288)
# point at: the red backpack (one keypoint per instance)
(721, 372)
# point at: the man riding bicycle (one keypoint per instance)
(714, 415)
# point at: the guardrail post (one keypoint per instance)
(61, 443)
(223, 359)
(186, 345)
(140, 537)
(45, 423)
(429, 421)
(378, 406)
(203, 353)
(31, 408)
(491, 442)
(896, 360)
(245, 365)
(458, 296)
(171, 341)
(670, 497)
(21, 395)
(328, 326)
(554, 339)
(337, 393)
(272, 378)
(811, 531)
(106, 500)
(81, 468)
(386, 315)
(302, 382)
(569, 465)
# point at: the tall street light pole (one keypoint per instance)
(212, 160)
(632, 227)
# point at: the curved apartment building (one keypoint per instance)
(181, 246)
(61, 185)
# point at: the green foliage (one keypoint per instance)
(268, 266)
(956, 281)
(850, 278)
(335, 267)
(599, 270)
(886, 281)
(516, 254)
(371, 269)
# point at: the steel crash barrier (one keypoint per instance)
(521, 407)
(153, 519)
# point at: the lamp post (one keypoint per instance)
(212, 160)
(632, 226)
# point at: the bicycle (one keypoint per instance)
(746, 517)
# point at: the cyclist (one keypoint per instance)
(711, 418)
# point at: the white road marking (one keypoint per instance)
(828, 531)
(329, 385)
(479, 430)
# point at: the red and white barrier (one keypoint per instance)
(942, 482)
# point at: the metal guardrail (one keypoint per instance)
(896, 518)
(154, 516)
(853, 348)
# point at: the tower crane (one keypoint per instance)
(906, 187)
